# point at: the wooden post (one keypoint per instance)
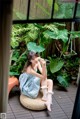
(76, 110)
(6, 7)
(78, 77)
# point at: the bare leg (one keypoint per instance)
(43, 82)
(50, 85)
(49, 94)
(44, 89)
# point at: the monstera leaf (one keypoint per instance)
(56, 65)
(57, 34)
(33, 47)
(62, 81)
(63, 35)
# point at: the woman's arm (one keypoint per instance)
(43, 69)
(31, 71)
(39, 67)
(37, 74)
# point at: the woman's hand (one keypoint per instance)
(42, 61)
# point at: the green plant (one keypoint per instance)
(62, 80)
(36, 48)
(37, 37)
(56, 66)
(17, 62)
(71, 65)
(19, 57)
(65, 9)
(25, 32)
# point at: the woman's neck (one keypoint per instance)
(34, 66)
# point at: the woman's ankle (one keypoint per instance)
(48, 105)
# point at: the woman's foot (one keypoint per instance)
(49, 100)
(48, 105)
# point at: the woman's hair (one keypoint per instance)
(30, 56)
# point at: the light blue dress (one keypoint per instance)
(29, 85)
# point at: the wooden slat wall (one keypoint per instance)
(20, 6)
(35, 12)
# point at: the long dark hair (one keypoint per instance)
(30, 56)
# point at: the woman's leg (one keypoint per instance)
(47, 89)
(44, 89)
(43, 82)
(50, 85)
(49, 94)
(47, 83)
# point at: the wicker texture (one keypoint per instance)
(33, 104)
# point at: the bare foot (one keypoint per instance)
(48, 105)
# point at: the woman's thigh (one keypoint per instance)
(47, 81)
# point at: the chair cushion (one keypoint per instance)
(33, 104)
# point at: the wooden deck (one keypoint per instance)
(62, 107)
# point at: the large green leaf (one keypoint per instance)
(33, 47)
(49, 34)
(62, 81)
(56, 65)
(63, 35)
(13, 73)
(65, 10)
(74, 34)
(58, 34)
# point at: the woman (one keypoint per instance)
(31, 81)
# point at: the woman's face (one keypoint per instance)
(34, 60)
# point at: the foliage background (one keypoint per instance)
(59, 43)
(39, 38)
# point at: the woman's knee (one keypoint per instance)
(50, 81)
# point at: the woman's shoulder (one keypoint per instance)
(28, 70)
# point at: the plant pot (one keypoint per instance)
(12, 82)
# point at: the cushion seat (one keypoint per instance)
(33, 104)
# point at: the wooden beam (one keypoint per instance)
(6, 7)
